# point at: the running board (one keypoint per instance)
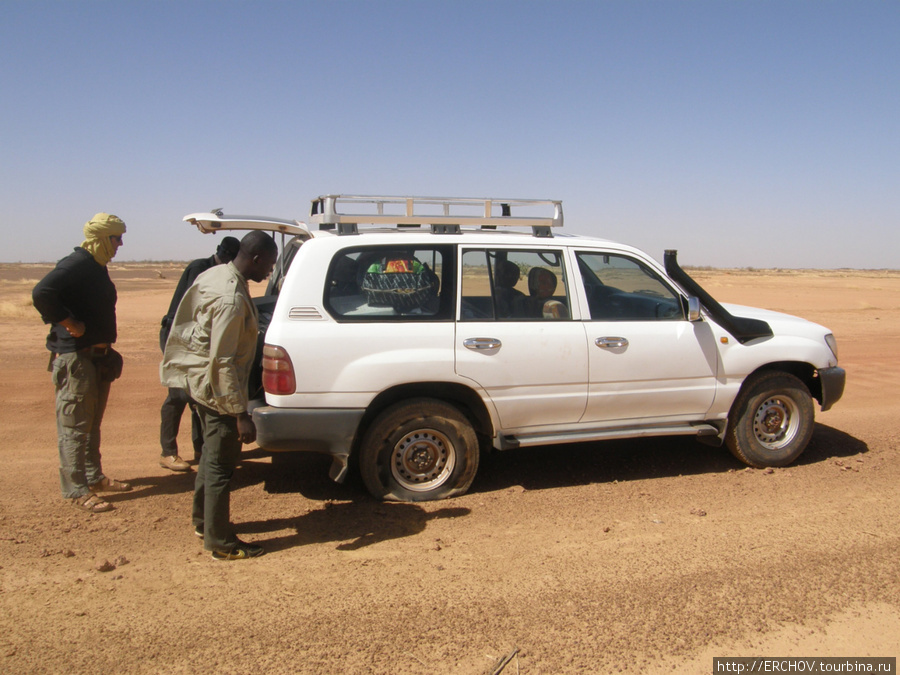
(548, 438)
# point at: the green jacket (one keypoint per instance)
(212, 343)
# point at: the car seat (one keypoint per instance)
(343, 278)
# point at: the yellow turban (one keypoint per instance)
(97, 232)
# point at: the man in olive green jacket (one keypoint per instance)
(209, 353)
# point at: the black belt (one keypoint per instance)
(95, 351)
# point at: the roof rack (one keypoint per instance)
(445, 215)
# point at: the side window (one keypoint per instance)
(514, 285)
(378, 283)
(622, 289)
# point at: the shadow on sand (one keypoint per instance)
(355, 524)
(554, 466)
(349, 515)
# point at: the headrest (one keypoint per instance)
(507, 273)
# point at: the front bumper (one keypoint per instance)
(328, 431)
(832, 381)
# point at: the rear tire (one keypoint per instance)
(419, 450)
(771, 421)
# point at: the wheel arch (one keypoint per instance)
(804, 372)
(767, 427)
(465, 399)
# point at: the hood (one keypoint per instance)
(780, 322)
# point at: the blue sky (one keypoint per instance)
(744, 134)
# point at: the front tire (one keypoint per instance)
(419, 450)
(771, 421)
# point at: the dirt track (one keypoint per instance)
(640, 557)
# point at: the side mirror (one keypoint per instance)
(693, 308)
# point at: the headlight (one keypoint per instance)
(832, 344)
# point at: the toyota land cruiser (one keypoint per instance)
(411, 334)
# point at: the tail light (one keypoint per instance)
(278, 371)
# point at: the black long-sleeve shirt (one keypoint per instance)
(194, 269)
(78, 287)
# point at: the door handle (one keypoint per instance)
(482, 343)
(610, 342)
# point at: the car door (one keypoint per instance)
(647, 361)
(516, 340)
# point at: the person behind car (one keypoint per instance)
(210, 353)
(177, 399)
(78, 299)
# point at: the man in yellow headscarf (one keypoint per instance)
(78, 300)
(103, 237)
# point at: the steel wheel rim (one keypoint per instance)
(776, 422)
(422, 460)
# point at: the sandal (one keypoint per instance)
(92, 503)
(109, 485)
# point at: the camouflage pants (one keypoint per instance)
(80, 403)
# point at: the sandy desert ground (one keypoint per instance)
(647, 556)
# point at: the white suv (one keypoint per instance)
(411, 334)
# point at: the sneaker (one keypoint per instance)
(198, 532)
(174, 463)
(110, 485)
(239, 551)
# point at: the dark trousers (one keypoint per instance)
(212, 491)
(170, 420)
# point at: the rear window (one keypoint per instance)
(390, 284)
